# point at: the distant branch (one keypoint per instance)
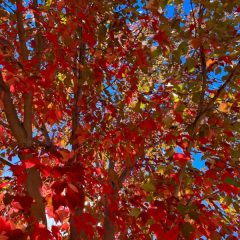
(21, 31)
(197, 121)
(42, 127)
(216, 96)
(194, 19)
(204, 78)
(79, 61)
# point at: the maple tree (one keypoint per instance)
(104, 106)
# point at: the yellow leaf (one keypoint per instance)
(188, 191)
(48, 3)
(61, 77)
(63, 19)
(63, 142)
(221, 199)
(160, 170)
(142, 105)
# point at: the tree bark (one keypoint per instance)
(108, 225)
(33, 179)
(33, 186)
(74, 233)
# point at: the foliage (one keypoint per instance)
(104, 107)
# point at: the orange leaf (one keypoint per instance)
(195, 43)
(210, 62)
(225, 107)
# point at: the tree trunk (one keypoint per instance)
(74, 233)
(33, 186)
(108, 226)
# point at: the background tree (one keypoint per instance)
(105, 106)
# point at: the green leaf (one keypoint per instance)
(183, 47)
(148, 187)
(175, 98)
(218, 70)
(190, 65)
(196, 97)
(135, 212)
(180, 108)
(182, 208)
(180, 88)
(231, 181)
(187, 229)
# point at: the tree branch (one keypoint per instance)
(27, 123)
(79, 61)
(21, 31)
(28, 117)
(15, 125)
(44, 130)
(108, 225)
(204, 77)
(38, 36)
(4, 161)
(75, 114)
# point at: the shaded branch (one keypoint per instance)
(28, 117)
(42, 127)
(79, 61)
(204, 78)
(125, 173)
(4, 161)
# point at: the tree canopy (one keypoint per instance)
(119, 119)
